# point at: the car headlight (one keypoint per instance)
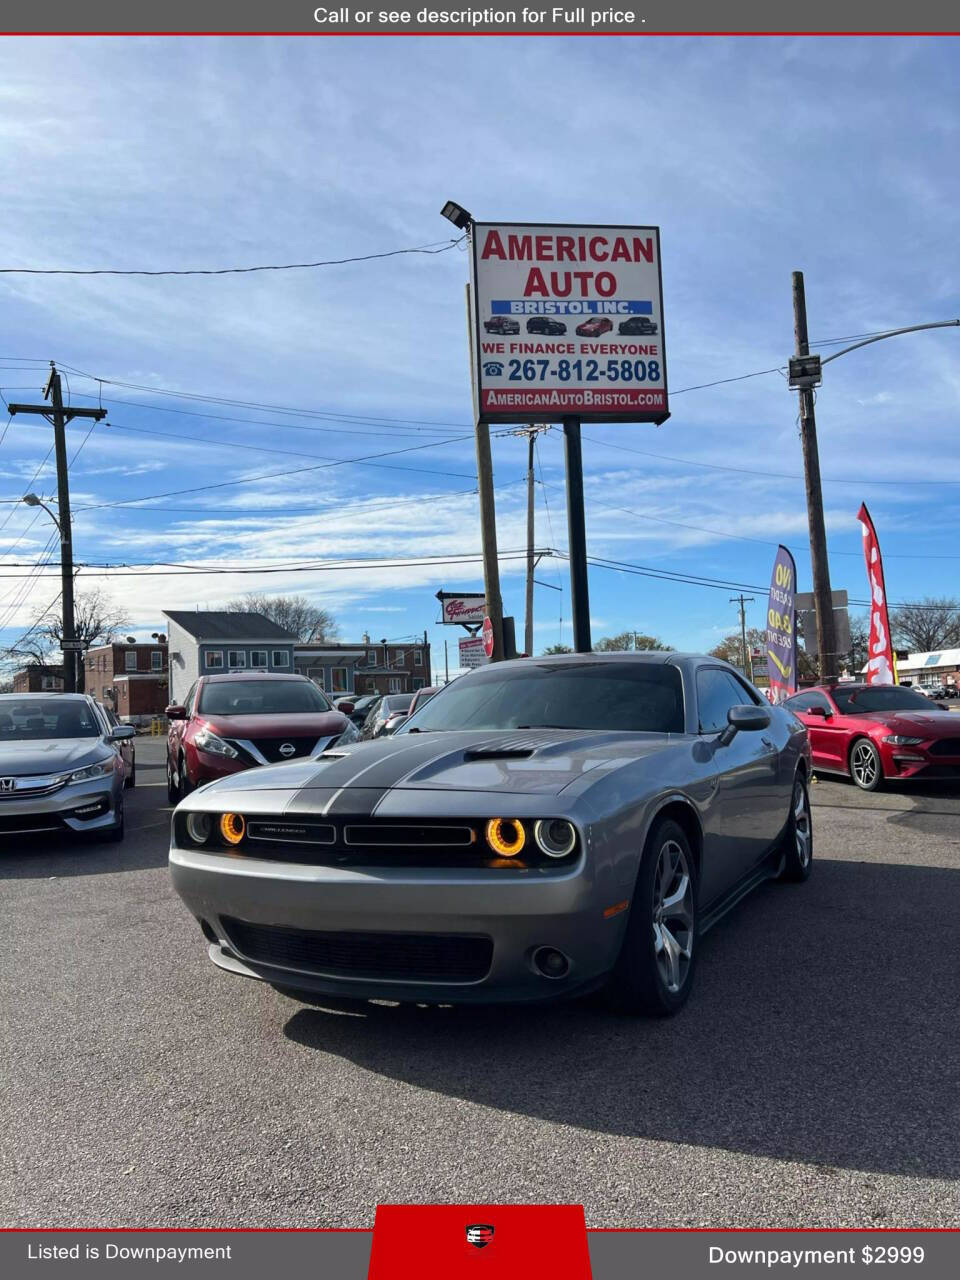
(898, 740)
(555, 836)
(199, 827)
(350, 734)
(208, 741)
(506, 836)
(103, 769)
(232, 827)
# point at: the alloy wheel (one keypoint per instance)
(673, 923)
(802, 823)
(865, 764)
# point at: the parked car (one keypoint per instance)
(125, 745)
(386, 708)
(421, 697)
(60, 766)
(637, 325)
(595, 326)
(547, 826)
(545, 324)
(872, 733)
(234, 722)
(361, 708)
(501, 324)
(936, 691)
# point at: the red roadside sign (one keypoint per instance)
(487, 634)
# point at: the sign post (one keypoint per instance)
(567, 326)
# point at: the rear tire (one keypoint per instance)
(866, 768)
(797, 846)
(655, 968)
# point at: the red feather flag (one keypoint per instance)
(881, 668)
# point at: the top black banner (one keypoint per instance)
(451, 17)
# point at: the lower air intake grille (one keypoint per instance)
(412, 957)
(945, 747)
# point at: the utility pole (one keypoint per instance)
(822, 595)
(743, 600)
(577, 537)
(446, 664)
(531, 434)
(55, 413)
(488, 520)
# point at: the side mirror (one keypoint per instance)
(176, 712)
(825, 712)
(122, 733)
(744, 719)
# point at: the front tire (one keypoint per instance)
(115, 834)
(866, 768)
(173, 795)
(797, 844)
(184, 785)
(131, 781)
(654, 971)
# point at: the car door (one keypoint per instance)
(177, 728)
(825, 728)
(749, 809)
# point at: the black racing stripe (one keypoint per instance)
(378, 766)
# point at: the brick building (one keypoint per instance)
(39, 677)
(366, 667)
(130, 678)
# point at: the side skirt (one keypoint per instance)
(769, 869)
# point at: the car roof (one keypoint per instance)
(231, 676)
(48, 694)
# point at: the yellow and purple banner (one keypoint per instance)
(781, 628)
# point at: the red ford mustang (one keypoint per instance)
(877, 732)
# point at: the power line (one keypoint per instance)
(437, 246)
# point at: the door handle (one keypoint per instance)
(767, 742)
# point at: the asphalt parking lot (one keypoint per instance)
(811, 1081)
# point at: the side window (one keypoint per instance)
(188, 704)
(802, 702)
(717, 692)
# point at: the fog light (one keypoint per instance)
(550, 962)
(232, 827)
(506, 836)
(199, 827)
(555, 837)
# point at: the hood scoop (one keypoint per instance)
(508, 749)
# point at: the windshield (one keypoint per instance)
(261, 698)
(23, 719)
(635, 696)
(879, 697)
(397, 702)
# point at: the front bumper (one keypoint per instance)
(516, 912)
(82, 806)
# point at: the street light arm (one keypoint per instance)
(914, 328)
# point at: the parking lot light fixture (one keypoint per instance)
(456, 214)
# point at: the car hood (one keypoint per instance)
(916, 724)
(48, 755)
(531, 762)
(325, 724)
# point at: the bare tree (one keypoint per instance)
(557, 648)
(96, 620)
(932, 623)
(294, 613)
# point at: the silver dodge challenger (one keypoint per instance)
(540, 827)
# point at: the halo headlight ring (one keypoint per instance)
(555, 837)
(232, 827)
(506, 836)
(199, 827)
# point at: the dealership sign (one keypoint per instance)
(472, 654)
(458, 608)
(567, 321)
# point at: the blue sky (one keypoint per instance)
(755, 156)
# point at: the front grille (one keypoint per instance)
(379, 835)
(411, 957)
(284, 831)
(11, 824)
(945, 747)
(269, 748)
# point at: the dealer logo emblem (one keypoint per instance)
(480, 1234)
(287, 749)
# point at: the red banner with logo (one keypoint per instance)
(881, 668)
(479, 1242)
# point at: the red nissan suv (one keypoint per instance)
(233, 722)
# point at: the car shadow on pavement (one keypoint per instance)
(822, 1029)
